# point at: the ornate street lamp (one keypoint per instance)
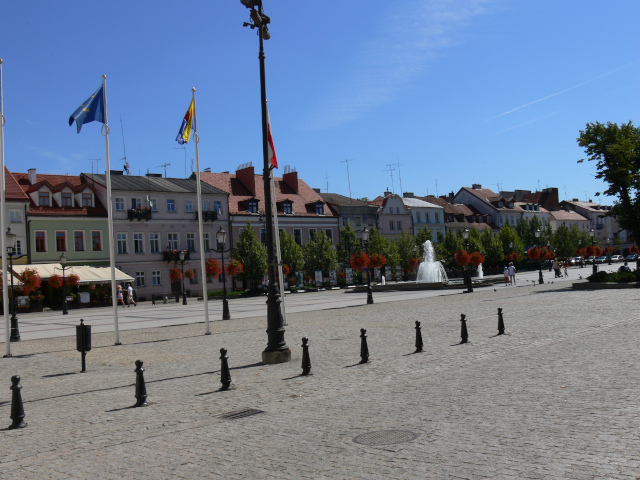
(579, 247)
(221, 237)
(277, 350)
(63, 263)
(537, 234)
(467, 269)
(365, 245)
(549, 249)
(184, 292)
(11, 245)
(610, 253)
(592, 234)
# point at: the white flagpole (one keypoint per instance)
(3, 222)
(205, 298)
(276, 235)
(112, 256)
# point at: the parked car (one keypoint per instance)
(616, 258)
(602, 259)
(589, 260)
(632, 257)
(577, 260)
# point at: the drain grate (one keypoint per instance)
(241, 414)
(385, 437)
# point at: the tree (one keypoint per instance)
(616, 149)
(319, 254)
(251, 253)
(447, 247)
(348, 245)
(406, 248)
(422, 236)
(291, 252)
(492, 247)
(509, 236)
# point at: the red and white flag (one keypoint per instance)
(271, 150)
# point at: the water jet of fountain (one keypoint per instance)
(431, 270)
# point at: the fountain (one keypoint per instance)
(480, 273)
(431, 270)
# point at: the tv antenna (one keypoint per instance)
(326, 178)
(164, 165)
(97, 166)
(390, 170)
(348, 179)
(185, 158)
(124, 149)
(399, 177)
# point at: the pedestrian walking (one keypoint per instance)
(512, 273)
(130, 299)
(506, 276)
(120, 296)
(566, 268)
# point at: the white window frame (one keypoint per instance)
(188, 206)
(173, 240)
(138, 243)
(119, 204)
(122, 241)
(156, 278)
(171, 205)
(66, 241)
(140, 280)
(191, 242)
(154, 242)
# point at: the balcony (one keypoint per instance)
(208, 215)
(174, 256)
(138, 214)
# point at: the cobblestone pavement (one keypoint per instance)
(557, 397)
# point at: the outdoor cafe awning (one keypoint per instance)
(87, 274)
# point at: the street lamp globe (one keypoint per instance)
(537, 233)
(592, 233)
(63, 260)
(465, 233)
(221, 236)
(365, 235)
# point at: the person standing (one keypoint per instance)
(506, 276)
(120, 296)
(512, 273)
(130, 299)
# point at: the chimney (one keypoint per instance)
(408, 195)
(476, 186)
(387, 193)
(32, 176)
(317, 190)
(290, 178)
(247, 178)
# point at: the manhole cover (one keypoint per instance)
(385, 437)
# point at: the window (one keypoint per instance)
(171, 206)
(391, 225)
(155, 278)
(96, 240)
(121, 239)
(437, 217)
(207, 242)
(399, 225)
(217, 207)
(329, 233)
(140, 279)
(319, 209)
(397, 209)
(41, 241)
(188, 206)
(154, 242)
(191, 242)
(61, 241)
(427, 217)
(358, 221)
(172, 241)
(138, 243)
(287, 208)
(136, 202)
(78, 241)
(43, 199)
(87, 200)
(153, 205)
(312, 232)
(253, 206)
(205, 205)
(66, 200)
(297, 236)
(119, 204)
(418, 217)
(263, 235)
(15, 216)
(345, 221)
(18, 249)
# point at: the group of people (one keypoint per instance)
(130, 299)
(510, 275)
(556, 268)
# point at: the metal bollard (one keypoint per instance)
(83, 342)
(153, 299)
(225, 374)
(463, 329)
(419, 343)
(141, 389)
(17, 409)
(364, 348)
(500, 322)
(306, 360)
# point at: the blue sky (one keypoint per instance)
(456, 92)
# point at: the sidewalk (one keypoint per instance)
(555, 398)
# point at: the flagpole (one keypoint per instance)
(205, 298)
(3, 222)
(112, 256)
(276, 234)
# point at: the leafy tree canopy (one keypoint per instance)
(291, 252)
(251, 253)
(319, 254)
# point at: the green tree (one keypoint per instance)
(252, 253)
(348, 245)
(492, 245)
(447, 247)
(406, 247)
(422, 236)
(616, 149)
(508, 237)
(319, 254)
(291, 252)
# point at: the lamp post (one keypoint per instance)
(221, 237)
(14, 336)
(467, 268)
(579, 247)
(184, 292)
(63, 263)
(549, 249)
(365, 245)
(592, 234)
(540, 279)
(277, 350)
(610, 253)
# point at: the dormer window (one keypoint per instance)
(287, 207)
(510, 204)
(253, 206)
(501, 204)
(43, 199)
(66, 199)
(319, 208)
(87, 200)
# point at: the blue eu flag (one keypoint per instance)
(90, 110)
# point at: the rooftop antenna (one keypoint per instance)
(164, 165)
(399, 177)
(437, 195)
(565, 192)
(390, 170)
(124, 149)
(97, 166)
(185, 158)
(348, 179)
(326, 177)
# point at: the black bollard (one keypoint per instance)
(500, 322)
(153, 299)
(463, 329)
(364, 349)
(225, 374)
(306, 360)
(419, 343)
(141, 389)
(83, 342)
(17, 409)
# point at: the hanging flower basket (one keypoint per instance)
(581, 252)
(549, 255)
(534, 253)
(376, 260)
(462, 258)
(634, 249)
(213, 268)
(359, 261)
(175, 275)
(73, 280)
(515, 256)
(234, 268)
(31, 281)
(608, 250)
(476, 259)
(55, 281)
(413, 264)
(190, 274)
(593, 251)
(285, 270)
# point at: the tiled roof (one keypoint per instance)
(564, 215)
(483, 194)
(417, 202)
(153, 184)
(13, 191)
(338, 199)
